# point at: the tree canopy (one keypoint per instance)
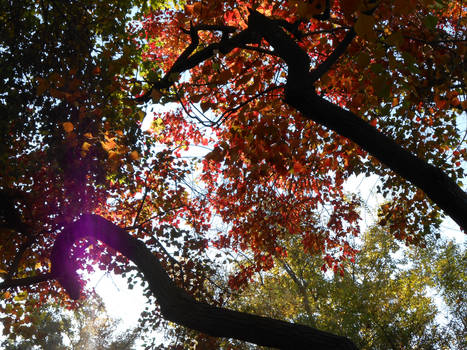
(86, 327)
(387, 299)
(292, 98)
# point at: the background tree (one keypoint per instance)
(385, 300)
(305, 95)
(86, 327)
(448, 272)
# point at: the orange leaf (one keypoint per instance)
(134, 155)
(68, 127)
(189, 9)
(297, 167)
(85, 147)
(108, 145)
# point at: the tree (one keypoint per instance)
(306, 93)
(87, 327)
(447, 267)
(380, 302)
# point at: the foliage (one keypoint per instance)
(87, 327)
(447, 267)
(269, 153)
(385, 300)
(62, 107)
(292, 98)
(70, 129)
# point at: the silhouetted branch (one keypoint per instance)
(175, 303)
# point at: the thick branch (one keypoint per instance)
(27, 281)
(226, 45)
(300, 285)
(178, 306)
(300, 94)
(436, 184)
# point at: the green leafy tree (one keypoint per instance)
(86, 327)
(385, 300)
(446, 264)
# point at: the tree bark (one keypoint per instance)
(176, 304)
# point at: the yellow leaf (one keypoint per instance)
(68, 127)
(108, 145)
(85, 146)
(37, 265)
(157, 125)
(88, 135)
(21, 296)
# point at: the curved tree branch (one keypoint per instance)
(176, 304)
(191, 59)
(27, 281)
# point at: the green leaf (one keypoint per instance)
(430, 22)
